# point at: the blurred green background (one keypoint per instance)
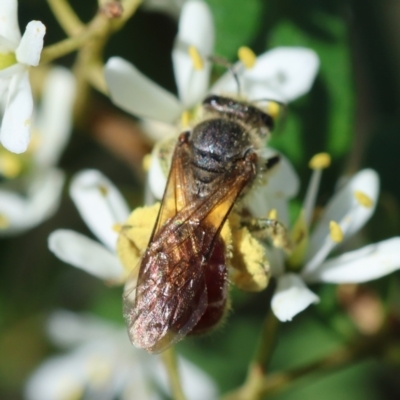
(352, 112)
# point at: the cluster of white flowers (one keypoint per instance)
(31, 186)
(282, 74)
(99, 362)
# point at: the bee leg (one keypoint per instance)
(272, 229)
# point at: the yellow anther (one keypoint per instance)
(197, 60)
(4, 222)
(320, 161)
(103, 190)
(146, 162)
(117, 228)
(273, 109)
(185, 119)
(10, 165)
(247, 57)
(336, 232)
(273, 214)
(6, 60)
(363, 199)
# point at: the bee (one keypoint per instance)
(182, 284)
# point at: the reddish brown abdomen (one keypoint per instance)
(215, 272)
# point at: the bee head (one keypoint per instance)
(242, 111)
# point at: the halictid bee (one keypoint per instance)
(181, 284)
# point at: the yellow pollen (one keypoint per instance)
(273, 214)
(117, 228)
(10, 165)
(247, 57)
(146, 162)
(103, 190)
(363, 199)
(6, 60)
(335, 232)
(273, 109)
(197, 61)
(185, 119)
(4, 222)
(320, 161)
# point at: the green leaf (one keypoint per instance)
(332, 99)
(236, 23)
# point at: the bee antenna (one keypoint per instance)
(223, 62)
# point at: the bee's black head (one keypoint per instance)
(245, 112)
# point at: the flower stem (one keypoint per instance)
(64, 47)
(335, 360)
(169, 359)
(253, 386)
(66, 17)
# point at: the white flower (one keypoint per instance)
(101, 364)
(32, 191)
(282, 74)
(101, 206)
(346, 213)
(16, 56)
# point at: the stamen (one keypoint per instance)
(320, 161)
(146, 162)
(6, 60)
(197, 60)
(363, 199)
(273, 214)
(317, 163)
(273, 109)
(336, 232)
(103, 190)
(10, 165)
(117, 228)
(185, 119)
(247, 57)
(4, 222)
(300, 238)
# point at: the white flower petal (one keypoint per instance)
(9, 27)
(282, 185)
(196, 28)
(54, 118)
(67, 329)
(100, 204)
(57, 378)
(31, 45)
(86, 254)
(291, 297)
(368, 263)
(343, 202)
(16, 123)
(282, 74)
(196, 384)
(156, 130)
(156, 178)
(7, 73)
(41, 202)
(137, 94)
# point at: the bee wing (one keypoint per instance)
(171, 295)
(175, 197)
